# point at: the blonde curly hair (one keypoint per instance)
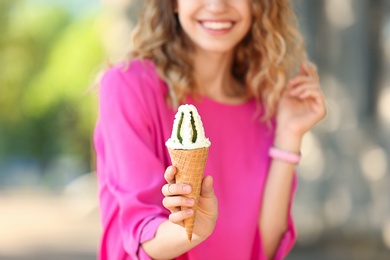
(267, 56)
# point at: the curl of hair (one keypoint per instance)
(268, 55)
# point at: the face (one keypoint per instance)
(215, 25)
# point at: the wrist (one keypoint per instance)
(288, 142)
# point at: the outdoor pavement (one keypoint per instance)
(38, 224)
(44, 225)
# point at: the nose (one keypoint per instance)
(216, 5)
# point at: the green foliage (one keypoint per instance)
(48, 59)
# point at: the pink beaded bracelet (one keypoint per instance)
(289, 157)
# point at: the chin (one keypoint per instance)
(217, 48)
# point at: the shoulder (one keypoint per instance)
(134, 79)
(133, 72)
(133, 75)
(132, 86)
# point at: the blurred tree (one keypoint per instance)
(49, 58)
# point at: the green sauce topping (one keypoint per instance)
(179, 127)
(195, 133)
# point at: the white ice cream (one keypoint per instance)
(188, 131)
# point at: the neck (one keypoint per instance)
(213, 76)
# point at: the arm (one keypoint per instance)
(301, 107)
(277, 197)
(171, 241)
(131, 173)
(130, 163)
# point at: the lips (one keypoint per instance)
(217, 25)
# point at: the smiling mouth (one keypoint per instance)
(217, 25)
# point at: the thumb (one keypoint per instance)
(207, 187)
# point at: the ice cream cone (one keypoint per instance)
(188, 148)
(190, 166)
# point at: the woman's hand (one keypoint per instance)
(302, 104)
(207, 212)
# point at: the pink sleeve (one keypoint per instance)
(288, 240)
(130, 168)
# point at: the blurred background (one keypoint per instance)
(51, 53)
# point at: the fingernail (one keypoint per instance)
(190, 201)
(187, 188)
(189, 211)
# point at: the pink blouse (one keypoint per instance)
(134, 123)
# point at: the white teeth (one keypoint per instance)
(217, 25)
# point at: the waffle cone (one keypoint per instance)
(190, 166)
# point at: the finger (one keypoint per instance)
(304, 68)
(298, 90)
(310, 70)
(298, 80)
(170, 173)
(166, 190)
(173, 203)
(170, 189)
(316, 101)
(207, 190)
(311, 93)
(180, 216)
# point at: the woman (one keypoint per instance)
(243, 65)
